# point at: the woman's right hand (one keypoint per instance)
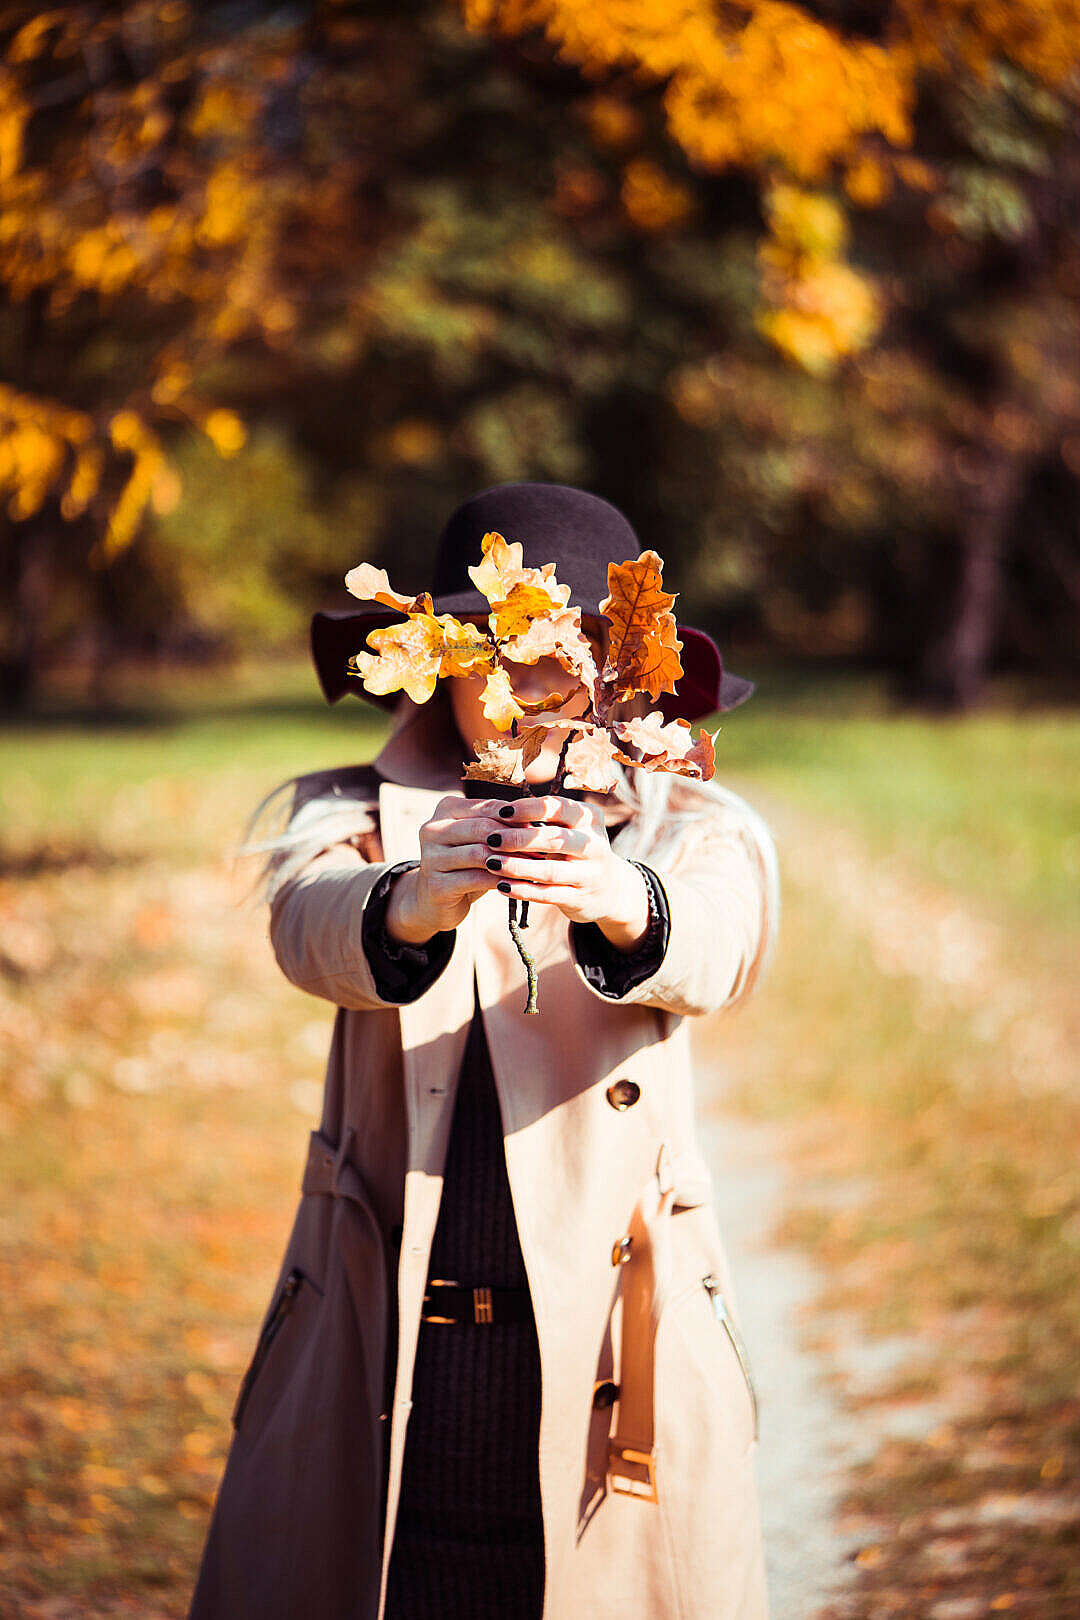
(452, 873)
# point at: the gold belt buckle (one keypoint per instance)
(438, 1282)
(482, 1307)
(645, 1489)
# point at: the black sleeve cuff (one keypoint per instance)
(401, 972)
(614, 972)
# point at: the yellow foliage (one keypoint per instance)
(652, 200)
(225, 431)
(29, 41)
(38, 440)
(1041, 38)
(754, 84)
(818, 309)
(805, 223)
(14, 114)
(413, 442)
(611, 121)
(222, 109)
(84, 483)
(868, 182)
(231, 206)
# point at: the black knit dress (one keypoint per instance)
(469, 1538)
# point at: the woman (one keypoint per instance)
(500, 1372)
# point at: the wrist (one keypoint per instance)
(403, 919)
(628, 924)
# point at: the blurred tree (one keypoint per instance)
(796, 285)
(952, 128)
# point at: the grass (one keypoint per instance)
(158, 1078)
(985, 804)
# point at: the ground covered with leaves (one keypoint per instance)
(159, 1077)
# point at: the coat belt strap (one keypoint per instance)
(645, 1282)
(325, 1162)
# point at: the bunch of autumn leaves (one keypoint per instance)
(528, 620)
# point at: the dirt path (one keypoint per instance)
(804, 1436)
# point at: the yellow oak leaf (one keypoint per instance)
(503, 567)
(411, 656)
(372, 584)
(524, 603)
(500, 705)
(643, 647)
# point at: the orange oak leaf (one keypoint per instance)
(411, 656)
(668, 747)
(372, 584)
(643, 647)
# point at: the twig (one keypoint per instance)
(560, 769)
(530, 965)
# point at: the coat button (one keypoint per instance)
(620, 1251)
(605, 1394)
(622, 1093)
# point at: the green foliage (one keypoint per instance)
(253, 542)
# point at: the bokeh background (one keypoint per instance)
(798, 287)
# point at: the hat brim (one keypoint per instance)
(705, 686)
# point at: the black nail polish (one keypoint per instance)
(506, 811)
(494, 839)
(504, 886)
(493, 863)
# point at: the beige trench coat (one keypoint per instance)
(649, 1504)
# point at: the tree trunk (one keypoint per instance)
(20, 661)
(955, 668)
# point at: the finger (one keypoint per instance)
(448, 887)
(544, 894)
(459, 857)
(549, 808)
(534, 869)
(454, 806)
(544, 838)
(472, 829)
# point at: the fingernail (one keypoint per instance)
(494, 839)
(493, 863)
(506, 811)
(504, 886)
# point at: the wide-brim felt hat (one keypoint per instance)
(577, 531)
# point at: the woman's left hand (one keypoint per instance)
(567, 862)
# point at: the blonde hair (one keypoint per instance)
(666, 814)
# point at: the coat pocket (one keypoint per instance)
(297, 1297)
(708, 1289)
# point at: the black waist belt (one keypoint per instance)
(449, 1301)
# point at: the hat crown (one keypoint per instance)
(579, 532)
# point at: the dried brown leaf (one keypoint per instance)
(591, 761)
(670, 746)
(497, 761)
